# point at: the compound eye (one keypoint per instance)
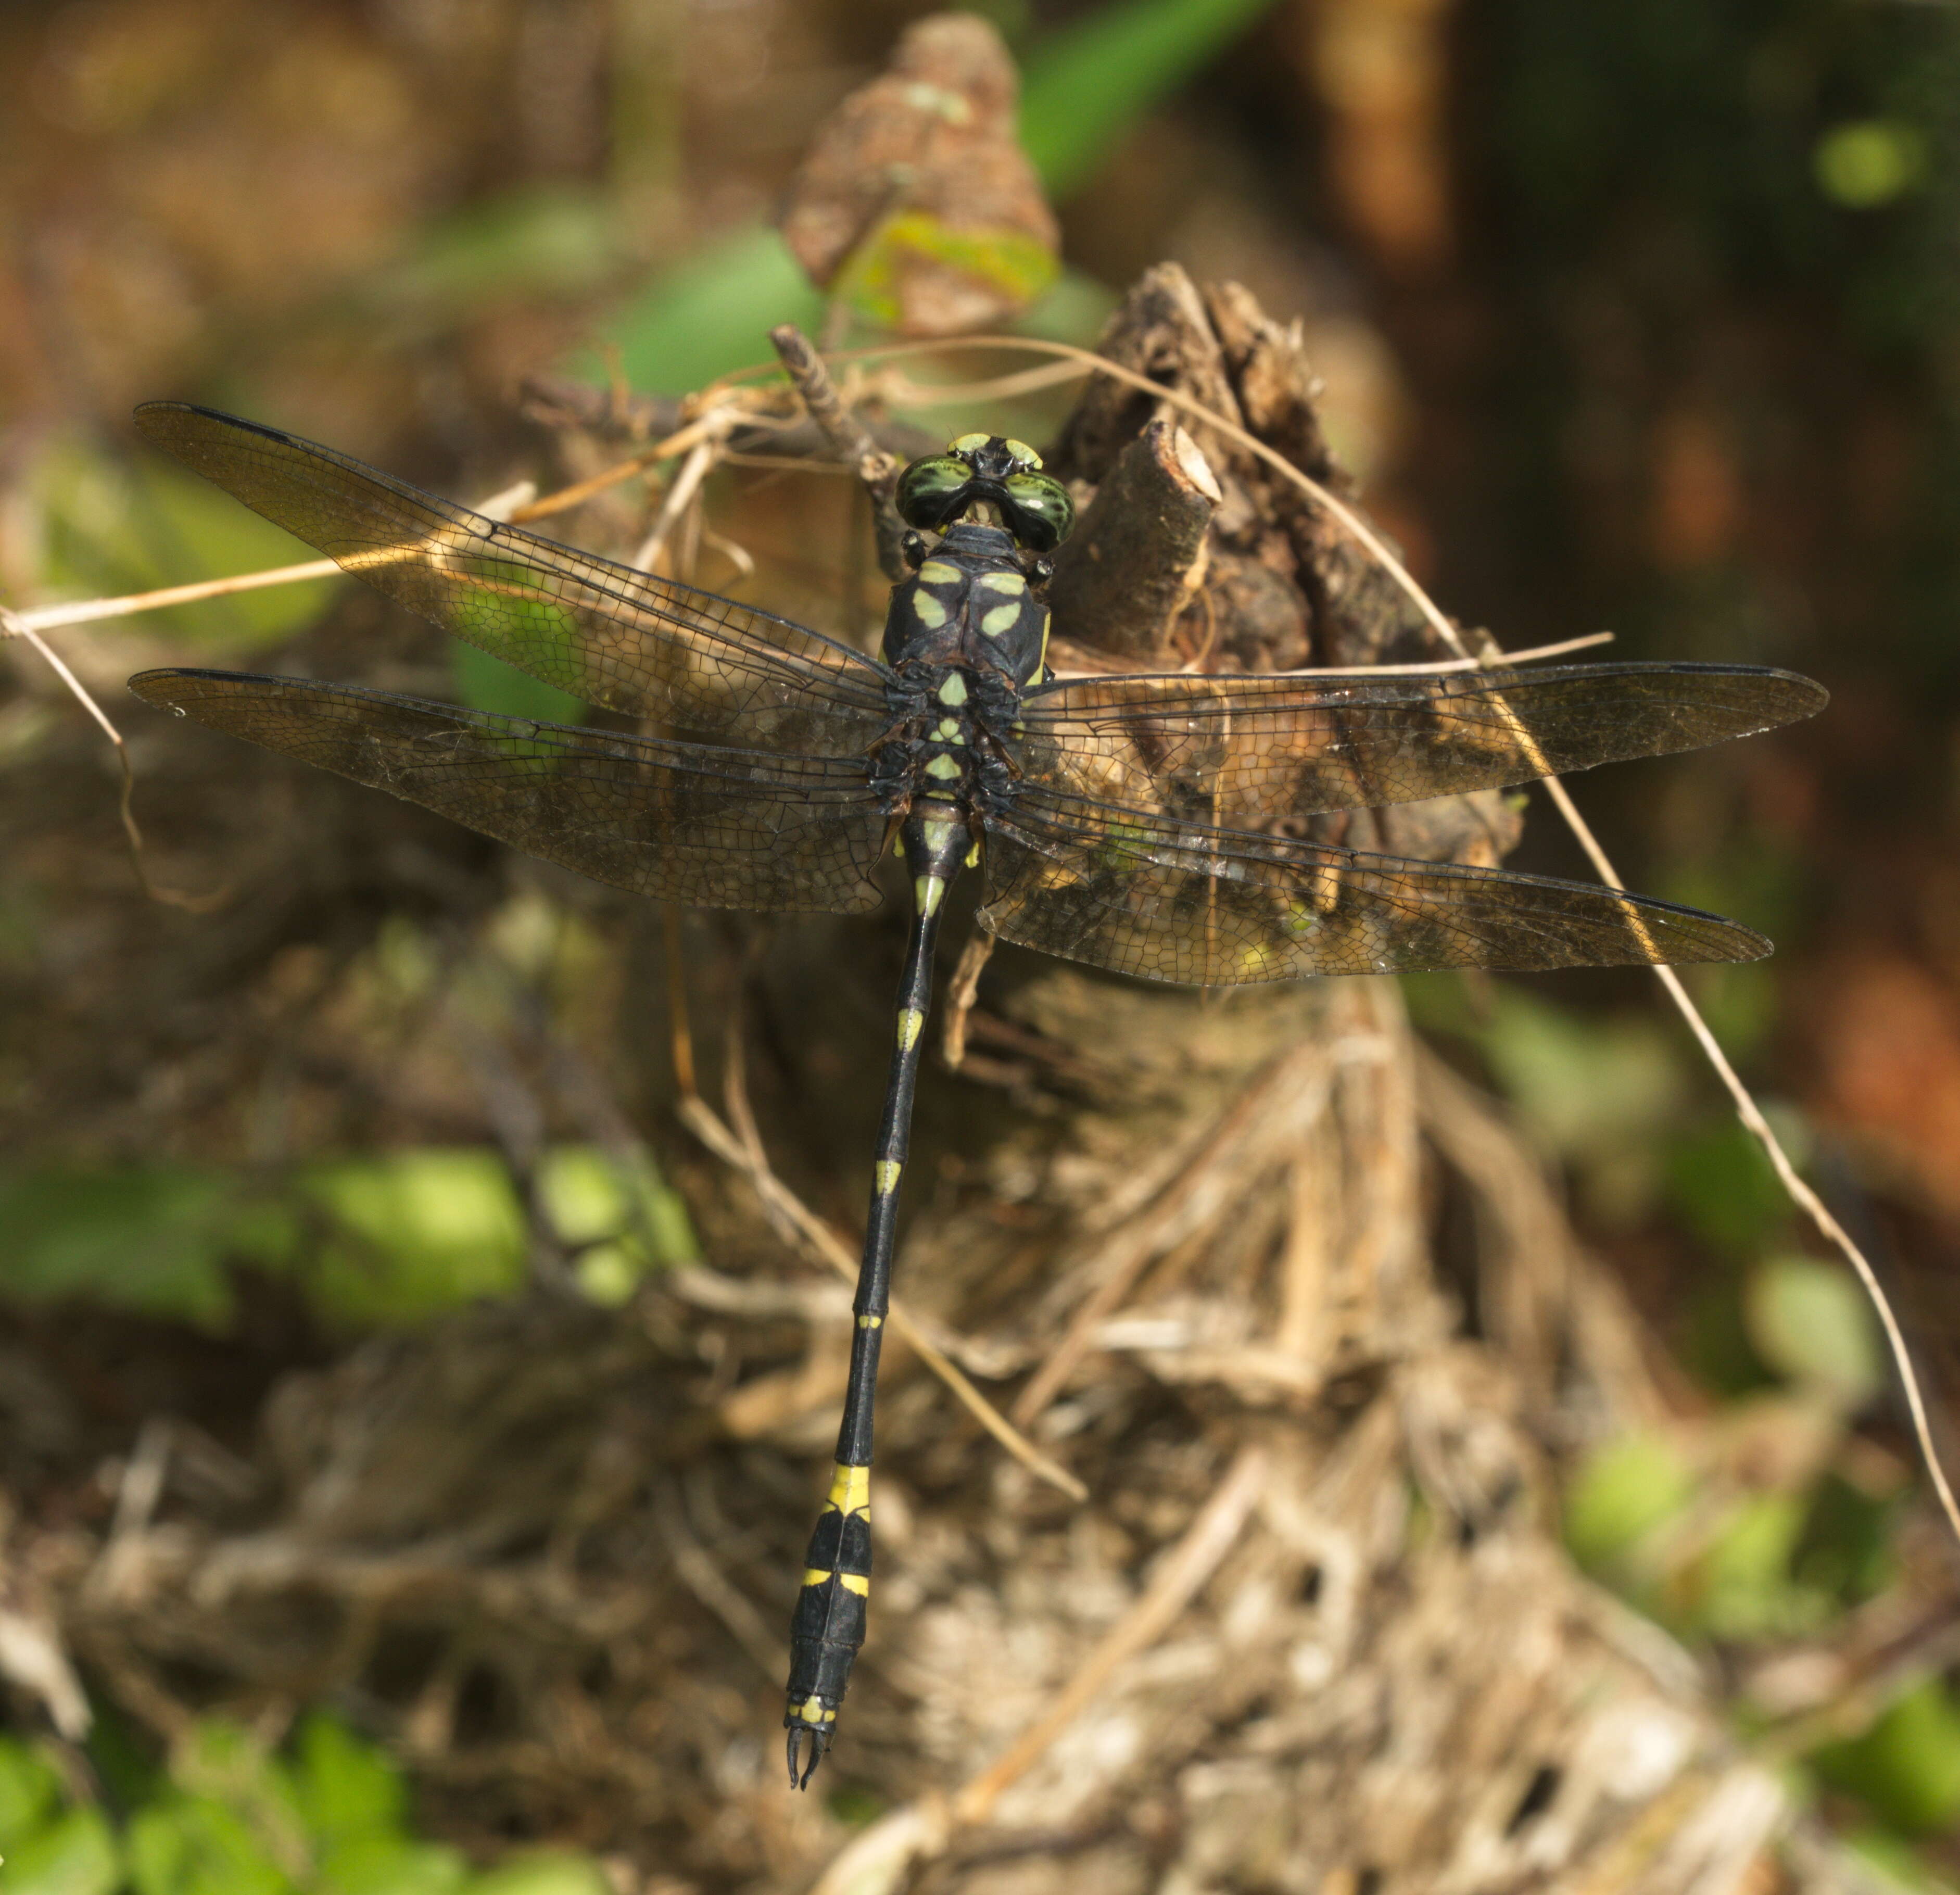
(968, 444)
(1042, 511)
(929, 490)
(1026, 459)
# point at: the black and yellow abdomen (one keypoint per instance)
(829, 1624)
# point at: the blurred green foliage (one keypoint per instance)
(1753, 1523)
(103, 527)
(385, 1239)
(541, 242)
(329, 1815)
(1086, 87)
(1906, 1767)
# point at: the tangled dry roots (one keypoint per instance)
(1311, 1630)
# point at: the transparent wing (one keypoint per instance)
(1240, 750)
(609, 636)
(1212, 907)
(720, 828)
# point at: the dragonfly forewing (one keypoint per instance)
(630, 642)
(1244, 749)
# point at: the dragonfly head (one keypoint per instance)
(977, 469)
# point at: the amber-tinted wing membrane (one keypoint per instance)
(690, 822)
(1240, 750)
(681, 658)
(1210, 907)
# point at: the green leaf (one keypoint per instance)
(1907, 1766)
(75, 1856)
(391, 1865)
(220, 1761)
(1013, 265)
(109, 527)
(1592, 1090)
(1809, 1320)
(712, 314)
(1088, 85)
(29, 1790)
(543, 1875)
(152, 1240)
(415, 1232)
(195, 1845)
(540, 240)
(1743, 1586)
(1625, 1490)
(1725, 1190)
(1870, 162)
(486, 684)
(623, 1215)
(345, 1789)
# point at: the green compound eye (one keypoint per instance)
(928, 487)
(968, 444)
(1042, 512)
(1025, 457)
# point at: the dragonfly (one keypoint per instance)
(1137, 823)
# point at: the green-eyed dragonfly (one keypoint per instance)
(1129, 822)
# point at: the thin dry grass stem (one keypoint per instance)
(49, 617)
(518, 503)
(996, 388)
(1747, 1110)
(1812, 1205)
(679, 497)
(715, 420)
(961, 992)
(13, 625)
(681, 1036)
(1529, 656)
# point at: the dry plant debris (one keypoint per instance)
(1311, 1629)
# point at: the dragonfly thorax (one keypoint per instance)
(970, 603)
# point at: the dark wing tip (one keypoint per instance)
(1693, 938)
(166, 424)
(170, 685)
(1790, 696)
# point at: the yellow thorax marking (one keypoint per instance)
(937, 572)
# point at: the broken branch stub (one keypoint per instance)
(1138, 554)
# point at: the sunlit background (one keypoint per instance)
(1642, 317)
